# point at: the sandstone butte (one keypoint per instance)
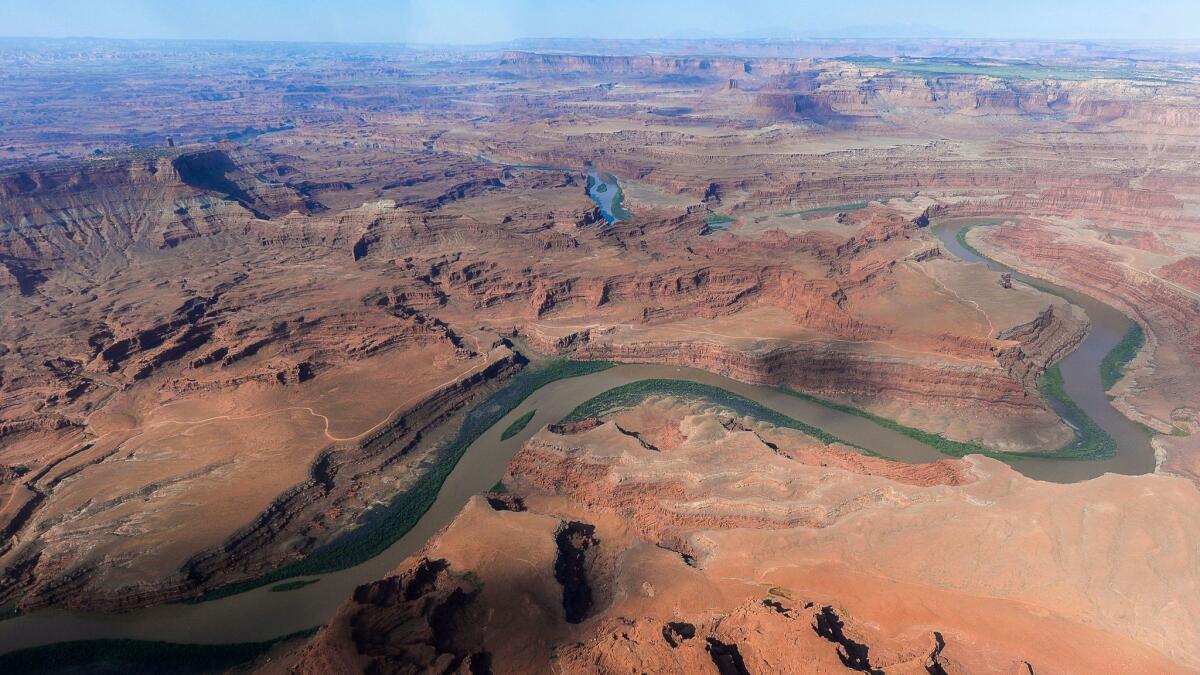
(216, 356)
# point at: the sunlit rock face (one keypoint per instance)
(673, 536)
(218, 354)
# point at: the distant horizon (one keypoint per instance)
(550, 38)
(483, 22)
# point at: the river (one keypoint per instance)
(261, 615)
(604, 190)
(1081, 378)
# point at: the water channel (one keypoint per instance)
(261, 614)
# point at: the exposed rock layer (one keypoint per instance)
(738, 547)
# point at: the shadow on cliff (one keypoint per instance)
(209, 170)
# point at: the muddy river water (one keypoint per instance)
(1081, 379)
(261, 615)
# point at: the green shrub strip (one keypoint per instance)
(517, 426)
(1112, 367)
(632, 394)
(136, 656)
(379, 529)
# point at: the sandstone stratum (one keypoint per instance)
(254, 352)
(692, 537)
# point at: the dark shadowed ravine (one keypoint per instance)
(260, 614)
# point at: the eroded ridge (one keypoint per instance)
(254, 306)
(738, 546)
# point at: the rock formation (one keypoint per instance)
(733, 546)
(221, 351)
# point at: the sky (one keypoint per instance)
(484, 21)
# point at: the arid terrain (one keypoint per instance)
(677, 533)
(252, 316)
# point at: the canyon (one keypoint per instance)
(699, 534)
(251, 319)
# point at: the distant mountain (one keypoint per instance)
(887, 30)
(860, 31)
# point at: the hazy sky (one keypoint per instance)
(475, 21)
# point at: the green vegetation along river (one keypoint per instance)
(1074, 387)
(604, 190)
(260, 614)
